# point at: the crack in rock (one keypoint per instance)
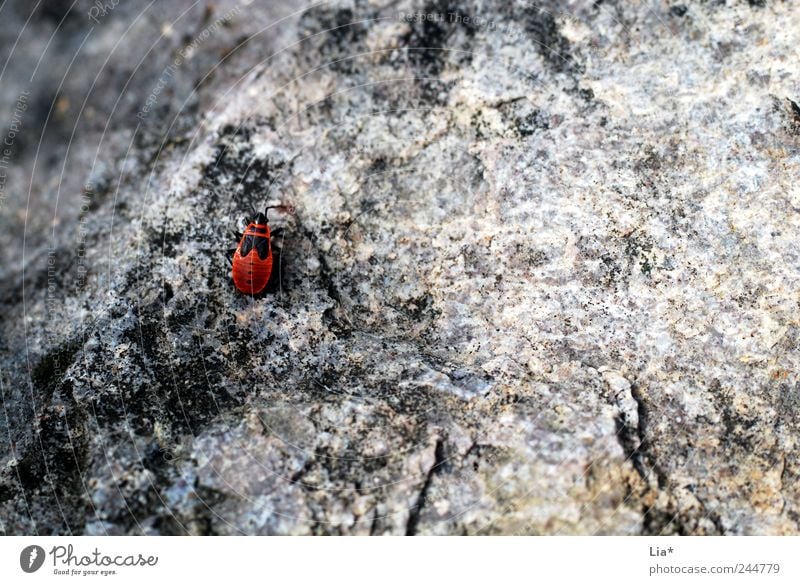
(414, 514)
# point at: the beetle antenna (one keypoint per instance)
(286, 208)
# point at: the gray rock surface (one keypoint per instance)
(542, 276)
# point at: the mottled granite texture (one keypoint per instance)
(542, 277)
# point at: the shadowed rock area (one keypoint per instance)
(542, 276)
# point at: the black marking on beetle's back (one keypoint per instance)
(246, 245)
(262, 247)
(260, 243)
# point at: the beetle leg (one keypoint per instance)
(230, 255)
(237, 235)
(276, 232)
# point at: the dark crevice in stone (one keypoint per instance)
(375, 527)
(416, 510)
(634, 440)
(637, 448)
(630, 440)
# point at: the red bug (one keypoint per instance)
(252, 258)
